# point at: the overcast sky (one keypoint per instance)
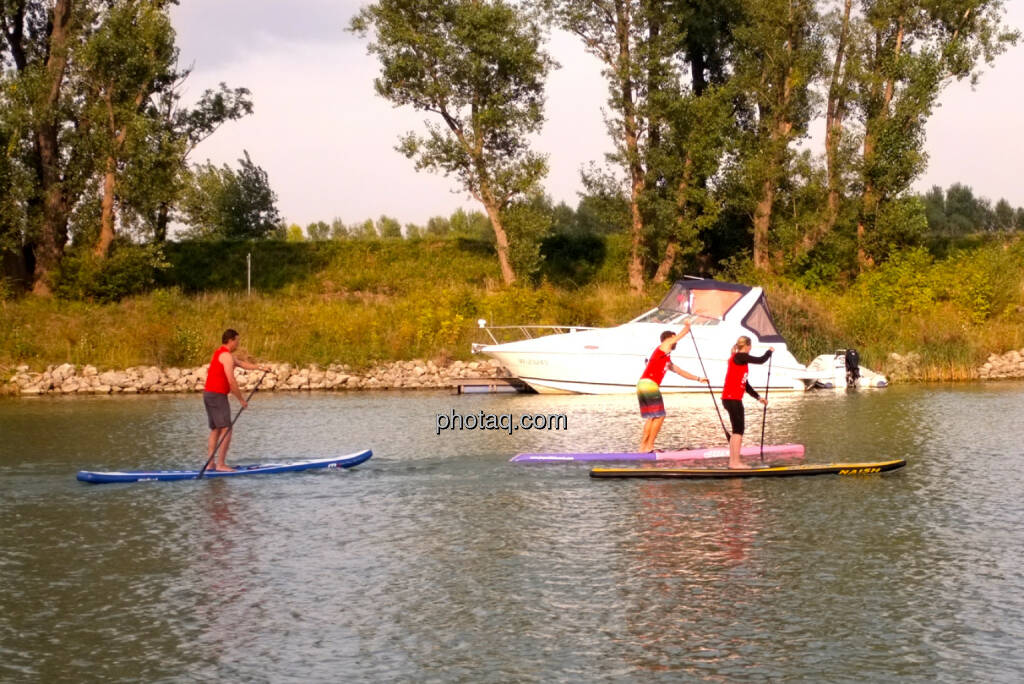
(327, 140)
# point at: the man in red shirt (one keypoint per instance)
(648, 389)
(220, 381)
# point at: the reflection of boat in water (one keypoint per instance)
(611, 360)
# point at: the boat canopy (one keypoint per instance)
(759, 321)
(707, 302)
(709, 299)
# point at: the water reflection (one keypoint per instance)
(439, 560)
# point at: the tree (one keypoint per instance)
(478, 66)
(780, 55)
(935, 210)
(42, 41)
(225, 204)
(438, 226)
(472, 225)
(1004, 215)
(633, 39)
(388, 227)
(318, 231)
(909, 51)
(83, 82)
(364, 231)
(125, 62)
(157, 173)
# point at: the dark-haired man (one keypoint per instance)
(220, 381)
(648, 389)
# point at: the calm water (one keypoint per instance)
(440, 561)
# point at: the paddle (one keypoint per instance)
(764, 415)
(230, 427)
(702, 370)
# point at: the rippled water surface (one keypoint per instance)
(438, 560)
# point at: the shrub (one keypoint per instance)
(128, 270)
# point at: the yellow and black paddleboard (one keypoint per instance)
(770, 471)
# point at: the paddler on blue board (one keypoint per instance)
(732, 393)
(648, 389)
(220, 381)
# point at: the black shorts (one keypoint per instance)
(218, 410)
(734, 407)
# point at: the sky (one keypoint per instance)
(327, 141)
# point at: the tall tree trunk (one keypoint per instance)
(835, 112)
(762, 223)
(631, 134)
(53, 233)
(672, 248)
(871, 198)
(163, 219)
(781, 128)
(107, 212)
(665, 267)
(508, 274)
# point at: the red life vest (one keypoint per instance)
(216, 376)
(735, 380)
(657, 366)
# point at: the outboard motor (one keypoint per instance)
(852, 367)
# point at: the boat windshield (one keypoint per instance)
(698, 305)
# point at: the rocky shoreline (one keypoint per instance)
(1007, 365)
(69, 379)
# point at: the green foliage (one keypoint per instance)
(129, 270)
(388, 227)
(527, 223)
(185, 348)
(231, 205)
(479, 67)
(318, 231)
(900, 223)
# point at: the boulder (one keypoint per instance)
(150, 378)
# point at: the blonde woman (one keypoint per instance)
(732, 394)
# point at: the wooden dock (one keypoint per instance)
(490, 385)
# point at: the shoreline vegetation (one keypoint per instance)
(354, 307)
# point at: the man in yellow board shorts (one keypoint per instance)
(648, 389)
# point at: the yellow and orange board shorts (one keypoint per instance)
(649, 394)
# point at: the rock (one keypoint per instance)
(150, 378)
(114, 378)
(65, 370)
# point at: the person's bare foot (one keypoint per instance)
(739, 466)
(223, 469)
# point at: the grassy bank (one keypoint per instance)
(361, 302)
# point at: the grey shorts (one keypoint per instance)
(218, 410)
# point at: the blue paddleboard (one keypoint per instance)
(346, 461)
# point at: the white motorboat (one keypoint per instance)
(610, 360)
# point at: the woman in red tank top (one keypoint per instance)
(732, 394)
